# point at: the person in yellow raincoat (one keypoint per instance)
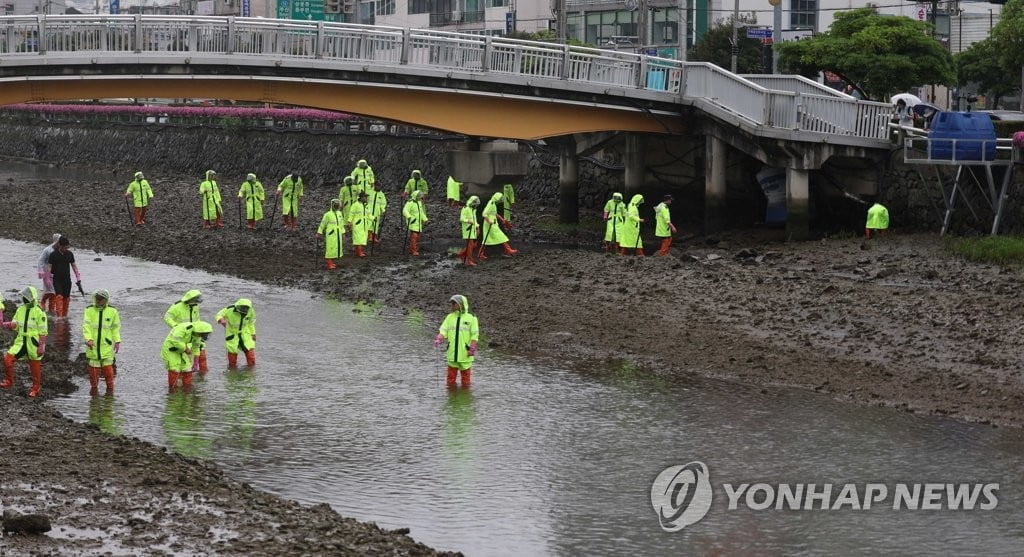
(251, 193)
(210, 195)
(453, 192)
(360, 221)
(415, 215)
(470, 229)
(290, 190)
(629, 232)
(332, 230)
(348, 194)
(378, 204)
(101, 328)
(878, 220)
(415, 183)
(461, 330)
(180, 345)
(493, 235)
(614, 215)
(141, 193)
(186, 310)
(30, 341)
(239, 322)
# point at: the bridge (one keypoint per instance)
(479, 86)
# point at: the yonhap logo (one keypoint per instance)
(681, 495)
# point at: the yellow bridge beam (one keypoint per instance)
(465, 113)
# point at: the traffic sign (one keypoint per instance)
(759, 32)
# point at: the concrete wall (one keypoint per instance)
(673, 165)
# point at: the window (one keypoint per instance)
(609, 28)
(803, 13)
(419, 6)
(497, 3)
(385, 7)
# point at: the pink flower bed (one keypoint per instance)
(187, 111)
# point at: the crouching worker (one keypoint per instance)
(101, 327)
(183, 342)
(461, 330)
(239, 322)
(30, 342)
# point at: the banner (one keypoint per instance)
(245, 8)
(115, 7)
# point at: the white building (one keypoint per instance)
(26, 7)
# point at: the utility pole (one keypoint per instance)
(735, 28)
(683, 29)
(776, 33)
(563, 22)
(642, 19)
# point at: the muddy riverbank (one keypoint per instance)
(894, 322)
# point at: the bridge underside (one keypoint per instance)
(473, 113)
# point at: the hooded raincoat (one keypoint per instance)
(240, 331)
(362, 174)
(460, 329)
(508, 199)
(140, 191)
(253, 195)
(332, 228)
(453, 189)
(415, 213)
(173, 349)
(361, 221)
(878, 217)
(415, 184)
(210, 194)
(629, 233)
(468, 221)
(493, 235)
(378, 203)
(181, 311)
(31, 325)
(663, 221)
(615, 208)
(101, 325)
(348, 193)
(291, 190)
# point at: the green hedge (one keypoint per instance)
(1006, 128)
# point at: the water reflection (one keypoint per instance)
(183, 423)
(240, 411)
(102, 415)
(460, 418)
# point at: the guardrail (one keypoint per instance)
(498, 59)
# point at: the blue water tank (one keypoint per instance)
(974, 127)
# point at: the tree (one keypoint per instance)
(982, 64)
(880, 55)
(714, 47)
(1009, 37)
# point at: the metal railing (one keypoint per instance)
(756, 100)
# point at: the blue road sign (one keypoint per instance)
(759, 32)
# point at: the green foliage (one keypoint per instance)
(1007, 251)
(715, 47)
(982, 64)
(1006, 128)
(547, 36)
(1009, 36)
(882, 54)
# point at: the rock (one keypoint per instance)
(713, 256)
(16, 523)
(745, 253)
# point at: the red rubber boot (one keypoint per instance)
(8, 371)
(108, 378)
(36, 368)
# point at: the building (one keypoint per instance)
(32, 7)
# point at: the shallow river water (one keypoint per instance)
(346, 406)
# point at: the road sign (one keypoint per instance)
(759, 32)
(307, 10)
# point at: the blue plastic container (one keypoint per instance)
(974, 128)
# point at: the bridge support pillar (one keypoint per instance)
(797, 204)
(714, 185)
(634, 161)
(568, 184)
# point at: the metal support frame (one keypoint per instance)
(996, 198)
